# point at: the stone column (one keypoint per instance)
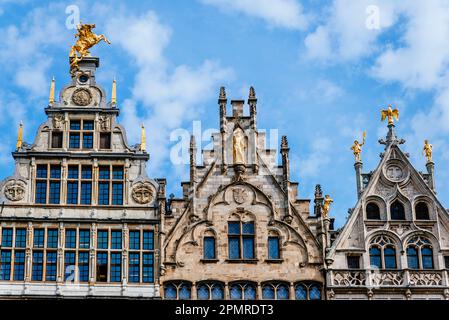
(430, 170)
(292, 291)
(358, 176)
(193, 294)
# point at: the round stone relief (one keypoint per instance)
(14, 190)
(394, 173)
(82, 97)
(142, 193)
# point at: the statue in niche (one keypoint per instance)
(239, 146)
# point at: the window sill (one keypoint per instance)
(242, 260)
(209, 260)
(274, 260)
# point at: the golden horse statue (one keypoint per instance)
(86, 40)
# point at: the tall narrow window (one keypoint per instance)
(56, 139)
(375, 257)
(397, 211)
(102, 266)
(422, 211)
(41, 183)
(48, 176)
(209, 248)
(86, 184)
(72, 184)
(44, 255)
(110, 185)
(116, 267)
(273, 248)
(88, 136)
(241, 240)
(372, 211)
(105, 140)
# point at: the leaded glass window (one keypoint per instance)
(241, 240)
(209, 247)
(273, 248)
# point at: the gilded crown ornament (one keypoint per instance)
(357, 147)
(427, 150)
(86, 40)
(390, 114)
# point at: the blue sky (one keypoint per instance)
(322, 71)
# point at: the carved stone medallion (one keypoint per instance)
(58, 121)
(240, 195)
(14, 190)
(82, 97)
(394, 173)
(142, 193)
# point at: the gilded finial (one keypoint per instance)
(357, 147)
(51, 97)
(114, 92)
(427, 150)
(390, 114)
(252, 93)
(222, 93)
(143, 140)
(20, 137)
(326, 205)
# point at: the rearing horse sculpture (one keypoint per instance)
(86, 40)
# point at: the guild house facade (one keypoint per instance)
(80, 217)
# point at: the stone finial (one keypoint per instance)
(19, 136)
(222, 95)
(318, 192)
(51, 96)
(192, 142)
(284, 142)
(114, 92)
(252, 93)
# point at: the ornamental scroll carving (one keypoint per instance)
(143, 193)
(14, 190)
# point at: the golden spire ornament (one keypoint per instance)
(390, 114)
(51, 96)
(427, 150)
(143, 140)
(114, 92)
(20, 137)
(357, 147)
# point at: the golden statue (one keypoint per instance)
(86, 40)
(326, 205)
(239, 148)
(357, 147)
(427, 150)
(19, 136)
(390, 114)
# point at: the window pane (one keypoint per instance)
(134, 240)
(73, 172)
(86, 193)
(19, 265)
(134, 267)
(184, 292)
(72, 192)
(390, 258)
(148, 267)
(116, 239)
(70, 238)
(397, 211)
(84, 241)
(102, 239)
(268, 292)
(88, 140)
(203, 292)
(7, 237)
(248, 248)
(234, 248)
(170, 291)
(21, 235)
(427, 259)
(217, 292)
(116, 267)
(273, 248)
(282, 292)
(117, 172)
(55, 172)
(41, 171)
(250, 292)
(52, 238)
(75, 124)
(105, 141)
(74, 140)
(86, 172)
(103, 193)
(117, 193)
(83, 266)
(50, 270)
(88, 125)
(39, 238)
(234, 227)
(235, 292)
(41, 192)
(148, 240)
(69, 266)
(300, 292)
(102, 266)
(412, 258)
(38, 265)
(248, 228)
(54, 192)
(5, 265)
(104, 172)
(375, 258)
(315, 293)
(209, 248)
(56, 139)
(353, 262)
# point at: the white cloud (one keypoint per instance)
(279, 13)
(163, 96)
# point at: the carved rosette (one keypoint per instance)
(14, 190)
(240, 195)
(82, 97)
(143, 192)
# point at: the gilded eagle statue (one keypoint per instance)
(86, 40)
(390, 114)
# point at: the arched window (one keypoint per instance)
(209, 247)
(372, 211)
(177, 290)
(241, 240)
(383, 253)
(308, 291)
(275, 291)
(242, 291)
(210, 291)
(419, 253)
(273, 246)
(397, 211)
(422, 211)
